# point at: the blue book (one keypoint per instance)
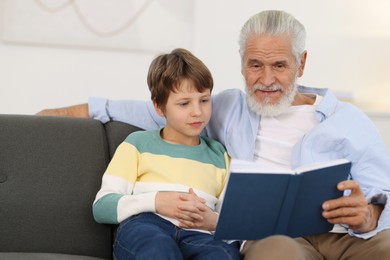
(259, 202)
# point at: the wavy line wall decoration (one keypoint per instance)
(129, 25)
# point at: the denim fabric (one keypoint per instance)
(148, 236)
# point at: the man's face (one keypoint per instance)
(270, 73)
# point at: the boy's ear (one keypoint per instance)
(157, 108)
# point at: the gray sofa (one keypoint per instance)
(50, 172)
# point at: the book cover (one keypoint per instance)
(259, 202)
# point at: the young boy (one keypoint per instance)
(141, 184)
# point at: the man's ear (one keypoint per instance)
(159, 111)
(303, 62)
(242, 64)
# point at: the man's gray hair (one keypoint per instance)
(275, 23)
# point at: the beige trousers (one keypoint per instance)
(329, 246)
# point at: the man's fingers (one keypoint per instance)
(354, 199)
(350, 185)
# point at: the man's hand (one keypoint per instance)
(352, 210)
(71, 111)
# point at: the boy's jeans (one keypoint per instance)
(148, 236)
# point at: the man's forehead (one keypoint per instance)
(269, 57)
(269, 47)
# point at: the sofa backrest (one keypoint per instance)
(50, 172)
(116, 133)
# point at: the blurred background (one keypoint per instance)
(56, 53)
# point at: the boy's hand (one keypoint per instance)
(196, 214)
(180, 205)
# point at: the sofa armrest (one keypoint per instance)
(50, 172)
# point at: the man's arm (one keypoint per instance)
(140, 113)
(71, 111)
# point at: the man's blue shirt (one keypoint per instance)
(343, 132)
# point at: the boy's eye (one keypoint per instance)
(205, 100)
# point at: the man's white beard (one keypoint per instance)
(267, 109)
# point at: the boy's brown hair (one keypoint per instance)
(167, 71)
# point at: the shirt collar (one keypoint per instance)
(328, 104)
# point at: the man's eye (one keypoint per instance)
(205, 100)
(279, 67)
(183, 104)
(255, 66)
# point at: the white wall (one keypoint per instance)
(348, 46)
(33, 78)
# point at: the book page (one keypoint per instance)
(319, 165)
(243, 166)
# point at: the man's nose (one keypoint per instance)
(267, 77)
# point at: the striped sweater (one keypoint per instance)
(145, 164)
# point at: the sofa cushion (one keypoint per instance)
(44, 256)
(50, 172)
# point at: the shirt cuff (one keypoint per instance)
(97, 109)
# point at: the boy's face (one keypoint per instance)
(187, 112)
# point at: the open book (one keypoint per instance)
(259, 202)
